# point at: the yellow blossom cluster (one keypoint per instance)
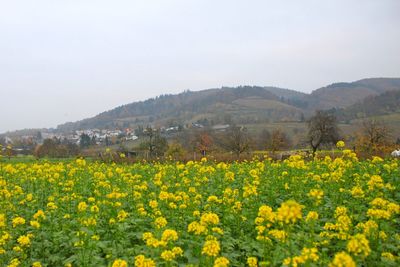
(288, 213)
(341, 228)
(359, 245)
(317, 195)
(211, 248)
(142, 261)
(342, 259)
(382, 209)
(307, 255)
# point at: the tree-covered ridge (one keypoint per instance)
(374, 105)
(246, 104)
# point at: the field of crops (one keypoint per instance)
(340, 212)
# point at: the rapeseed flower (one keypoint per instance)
(289, 212)
(169, 235)
(160, 222)
(280, 235)
(177, 251)
(167, 255)
(119, 263)
(209, 218)
(359, 245)
(82, 206)
(35, 224)
(340, 144)
(24, 240)
(317, 195)
(14, 263)
(3, 220)
(252, 262)
(342, 259)
(357, 192)
(18, 221)
(312, 216)
(389, 256)
(265, 213)
(122, 215)
(221, 262)
(197, 228)
(211, 248)
(142, 261)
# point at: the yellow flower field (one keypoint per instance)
(341, 212)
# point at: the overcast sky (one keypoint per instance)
(68, 60)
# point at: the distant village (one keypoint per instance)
(99, 137)
(97, 134)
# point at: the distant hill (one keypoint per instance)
(340, 95)
(243, 105)
(212, 106)
(373, 105)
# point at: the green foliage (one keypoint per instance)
(85, 141)
(94, 213)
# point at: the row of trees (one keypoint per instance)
(236, 139)
(374, 136)
(322, 131)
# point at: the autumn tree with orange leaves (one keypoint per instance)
(204, 142)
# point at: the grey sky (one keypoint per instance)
(67, 60)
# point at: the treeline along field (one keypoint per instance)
(336, 212)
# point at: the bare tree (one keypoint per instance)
(263, 140)
(156, 143)
(322, 129)
(237, 140)
(279, 140)
(149, 132)
(373, 135)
